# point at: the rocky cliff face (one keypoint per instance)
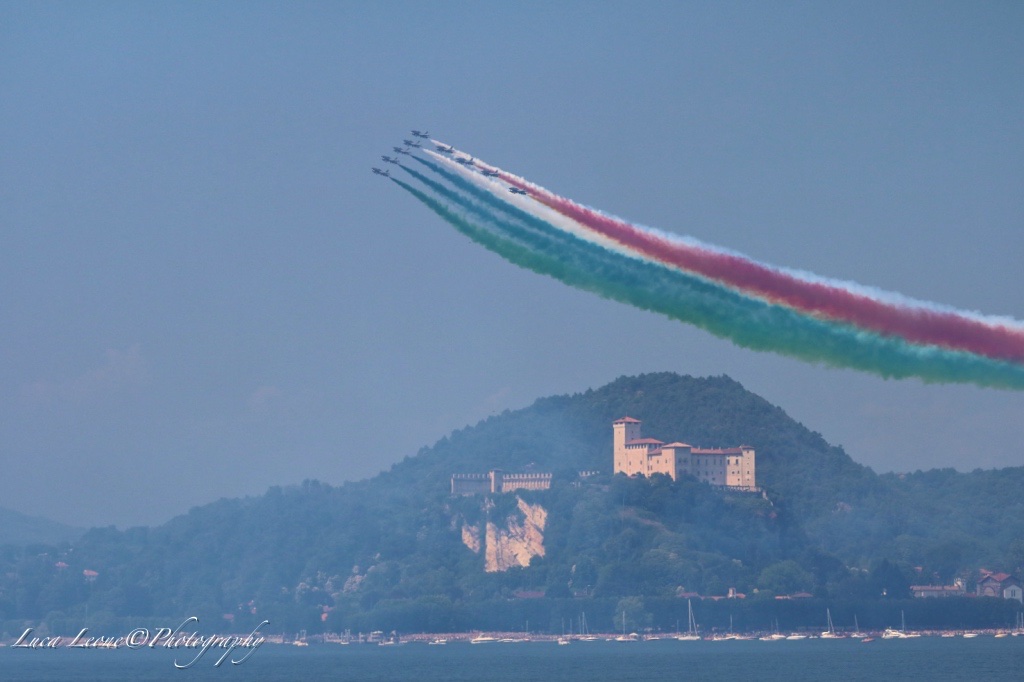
(513, 543)
(471, 537)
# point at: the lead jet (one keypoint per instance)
(425, 135)
(388, 159)
(465, 162)
(516, 190)
(401, 150)
(378, 171)
(491, 173)
(445, 150)
(412, 143)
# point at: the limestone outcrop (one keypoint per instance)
(512, 543)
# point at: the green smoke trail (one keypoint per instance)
(530, 242)
(529, 230)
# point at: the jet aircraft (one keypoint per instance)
(401, 150)
(445, 150)
(388, 159)
(516, 190)
(464, 161)
(378, 171)
(490, 174)
(424, 134)
(412, 143)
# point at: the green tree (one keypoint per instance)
(631, 616)
(785, 577)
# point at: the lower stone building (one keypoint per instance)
(497, 481)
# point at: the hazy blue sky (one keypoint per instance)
(206, 292)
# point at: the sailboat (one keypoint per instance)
(585, 635)
(1018, 628)
(902, 633)
(775, 635)
(727, 637)
(856, 629)
(632, 637)
(831, 632)
(691, 626)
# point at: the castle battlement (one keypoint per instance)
(497, 481)
(728, 467)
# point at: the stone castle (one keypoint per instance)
(633, 455)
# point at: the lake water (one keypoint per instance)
(929, 658)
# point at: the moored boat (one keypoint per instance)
(830, 633)
(691, 626)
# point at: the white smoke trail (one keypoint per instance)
(882, 296)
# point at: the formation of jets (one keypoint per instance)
(410, 144)
(467, 161)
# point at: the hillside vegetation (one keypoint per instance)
(388, 553)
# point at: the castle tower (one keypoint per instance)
(748, 476)
(623, 431)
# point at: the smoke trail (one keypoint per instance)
(751, 322)
(915, 321)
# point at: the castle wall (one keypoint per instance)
(471, 484)
(510, 482)
(496, 481)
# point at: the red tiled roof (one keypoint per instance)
(677, 444)
(628, 420)
(717, 451)
(644, 441)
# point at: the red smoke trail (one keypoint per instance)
(917, 325)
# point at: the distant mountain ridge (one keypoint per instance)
(395, 551)
(21, 529)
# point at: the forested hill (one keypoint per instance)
(391, 551)
(574, 432)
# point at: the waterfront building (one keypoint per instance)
(1001, 585)
(933, 591)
